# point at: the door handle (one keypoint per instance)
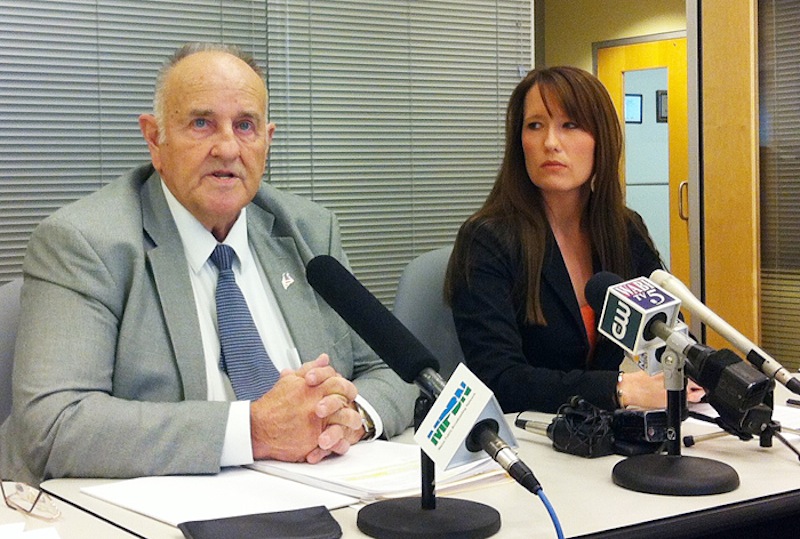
(682, 213)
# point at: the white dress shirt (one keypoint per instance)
(198, 244)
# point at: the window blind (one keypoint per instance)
(74, 77)
(389, 113)
(779, 90)
(392, 115)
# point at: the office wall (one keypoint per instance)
(570, 27)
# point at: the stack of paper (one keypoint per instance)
(381, 469)
(789, 418)
(367, 472)
(232, 492)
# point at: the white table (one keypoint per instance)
(582, 492)
(73, 523)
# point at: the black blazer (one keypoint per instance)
(534, 367)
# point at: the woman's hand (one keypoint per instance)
(640, 390)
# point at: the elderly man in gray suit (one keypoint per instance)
(117, 368)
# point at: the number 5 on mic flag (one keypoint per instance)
(463, 402)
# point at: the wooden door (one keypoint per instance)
(612, 63)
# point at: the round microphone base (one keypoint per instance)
(675, 475)
(403, 518)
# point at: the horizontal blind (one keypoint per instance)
(389, 113)
(74, 77)
(779, 89)
(392, 115)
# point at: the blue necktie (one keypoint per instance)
(243, 356)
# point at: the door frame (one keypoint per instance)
(596, 46)
(683, 262)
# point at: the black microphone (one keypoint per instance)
(596, 288)
(403, 353)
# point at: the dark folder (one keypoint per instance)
(309, 523)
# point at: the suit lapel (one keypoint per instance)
(173, 286)
(284, 268)
(556, 276)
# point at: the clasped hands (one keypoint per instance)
(307, 415)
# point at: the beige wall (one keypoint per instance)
(571, 26)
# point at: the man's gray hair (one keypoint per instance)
(187, 50)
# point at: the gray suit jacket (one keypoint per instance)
(109, 374)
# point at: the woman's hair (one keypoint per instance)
(514, 209)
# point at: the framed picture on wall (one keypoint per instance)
(661, 106)
(633, 108)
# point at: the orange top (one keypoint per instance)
(587, 313)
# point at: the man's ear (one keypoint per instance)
(149, 127)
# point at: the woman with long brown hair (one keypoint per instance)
(555, 216)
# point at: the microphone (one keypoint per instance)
(403, 353)
(754, 354)
(535, 427)
(645, 307)
(626, 311)
(735, 389)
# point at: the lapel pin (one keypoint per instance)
(286, 280)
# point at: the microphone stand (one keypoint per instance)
(426, 517)
(672, 473)
(773, 429)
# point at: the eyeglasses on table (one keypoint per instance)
(29, 500)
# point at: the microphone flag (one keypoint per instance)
(628, 309)
(463, 403)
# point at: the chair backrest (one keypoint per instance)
(9, 320)
(420, 306)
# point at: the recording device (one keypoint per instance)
(403, 353)
(582, 429)
(640, 426)
(734, 388)
(753, 353)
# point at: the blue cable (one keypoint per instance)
(552, 513)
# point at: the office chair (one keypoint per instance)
(9, 319)
(420, 306)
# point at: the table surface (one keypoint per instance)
(580, 490)
(73, 522)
